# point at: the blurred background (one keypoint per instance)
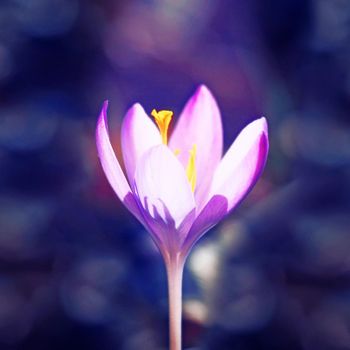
(77, 271)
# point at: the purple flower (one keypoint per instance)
(175, 208)
(180, 189)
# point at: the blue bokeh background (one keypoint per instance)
(77, 271)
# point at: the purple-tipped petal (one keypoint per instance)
(164, 191)
(200, 124)
(111, 166)
(242, 165)
(138, 134)
(235, 176)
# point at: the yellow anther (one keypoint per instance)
(191, 170)
(163, 119)
(177, 151)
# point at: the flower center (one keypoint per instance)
(163, 119)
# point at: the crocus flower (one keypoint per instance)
(179, 186)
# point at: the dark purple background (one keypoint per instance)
(77, 271)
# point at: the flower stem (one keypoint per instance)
(174, 268)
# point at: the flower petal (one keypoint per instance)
(138, 134)
(242, 165)
(164, 192)
(200, 124)
(111, 166)
(235, 176)
(211, 214)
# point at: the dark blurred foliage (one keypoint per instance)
(76, 269)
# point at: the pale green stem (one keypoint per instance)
(174, 268)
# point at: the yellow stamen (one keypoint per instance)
(177, 151)
(163, 119)
(191, 170)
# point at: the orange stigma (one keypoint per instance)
(163, 119)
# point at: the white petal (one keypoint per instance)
(200, 124)
(162, 186)
(242, 164)
(111, 166)
(138, 134)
